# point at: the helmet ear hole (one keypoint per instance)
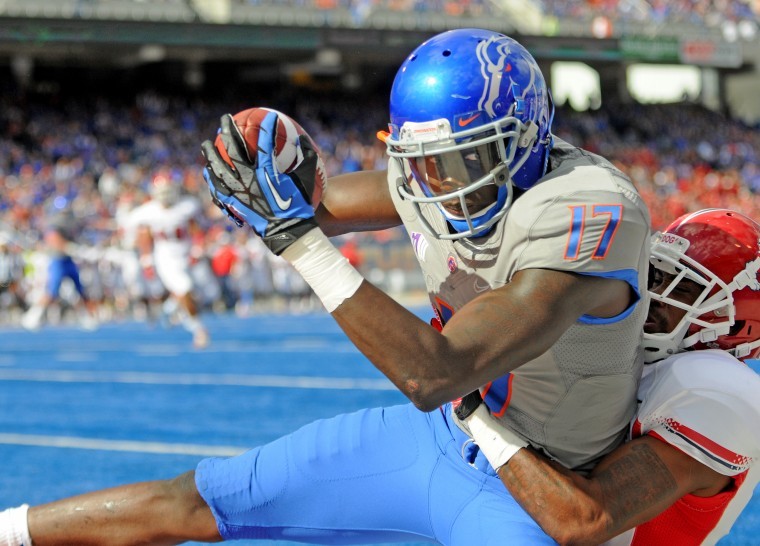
(738, 327)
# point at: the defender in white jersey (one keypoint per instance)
(692, 463)
(535, 256)
(164, 226)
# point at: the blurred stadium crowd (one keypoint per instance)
(696, 12)
(94, 157)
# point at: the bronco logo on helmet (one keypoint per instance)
(470, 119)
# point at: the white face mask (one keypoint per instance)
(466, 174)
(669, 257)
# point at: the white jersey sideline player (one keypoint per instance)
(164, 226)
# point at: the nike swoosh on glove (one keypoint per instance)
(251, 191)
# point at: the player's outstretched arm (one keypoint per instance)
(490, 336)
(630, 486)
(246, 182)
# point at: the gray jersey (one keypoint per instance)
(573, 402)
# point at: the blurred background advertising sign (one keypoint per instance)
(661, 49)
(704, 51)
(710, 52)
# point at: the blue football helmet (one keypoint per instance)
(470, 119)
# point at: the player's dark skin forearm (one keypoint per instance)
(630, 486)
(356, 202)
(489, 337)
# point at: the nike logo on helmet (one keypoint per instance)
(284, 204)
(464, 122)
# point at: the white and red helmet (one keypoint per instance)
(718, 249)
(164, 189)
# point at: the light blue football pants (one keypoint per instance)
(378, 475)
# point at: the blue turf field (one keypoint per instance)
(87, 410)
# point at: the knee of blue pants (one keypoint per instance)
(371, 476)
(363, 473)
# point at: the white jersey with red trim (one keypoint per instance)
(707, 405)
(169, 226)
(170, 229)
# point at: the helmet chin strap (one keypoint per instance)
(482, 212)
(744, 349)
(708, 334)
(659, 346)
(747, 277)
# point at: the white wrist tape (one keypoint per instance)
(324, 268)
(14, 530)
(497, 442)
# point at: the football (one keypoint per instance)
(287, 154)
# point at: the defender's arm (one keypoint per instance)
(631, 485)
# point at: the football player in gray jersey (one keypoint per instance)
(534, 253)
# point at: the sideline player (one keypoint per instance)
(164, 225)
(535, 254)
(692, 465)
(141, 289)
(58, 243)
